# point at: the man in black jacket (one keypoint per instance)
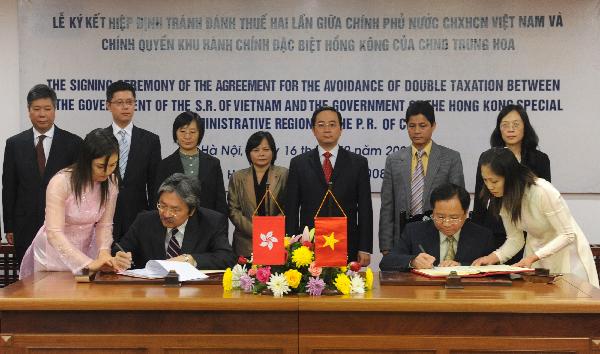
(139, 157)
(348, 173)
(31, 158)
(449, 239)
(179, 230)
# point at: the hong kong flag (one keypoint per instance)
(268, 233)
(331, 241)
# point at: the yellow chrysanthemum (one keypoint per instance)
(293, 277)
(227, 280)
(342, 283)
(369, 279)
(344, 269)
(286, 242)
(302, 256)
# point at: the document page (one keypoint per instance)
(156, 269)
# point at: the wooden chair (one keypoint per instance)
(8, 265)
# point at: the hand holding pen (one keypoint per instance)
(123, 260)
(423, 260)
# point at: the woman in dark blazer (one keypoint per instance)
(188, 131)
(515, 132)
(248, 186)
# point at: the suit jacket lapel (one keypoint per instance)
(341, 163)
(464, 243)
(433, 166)
(30, 154)
(192, 233)
(248, 181)
(315, 163)
(405, 171)
(159, 234)
(274, 186)
(55, 149)
(433, 239)
(134, 145)
(203, 169)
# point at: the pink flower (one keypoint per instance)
(252, 272)
(314, 270)
(263, 274)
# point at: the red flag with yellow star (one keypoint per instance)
(268, 234)
(331, 241)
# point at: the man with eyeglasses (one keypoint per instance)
(31, 158)
(412, 173)
(329, 165)
(179, 230)
(139, 156)
(448, 239)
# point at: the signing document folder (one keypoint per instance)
(471, 271)
(156, 269)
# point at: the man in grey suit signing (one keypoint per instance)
(412, 173)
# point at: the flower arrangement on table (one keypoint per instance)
(299, 274)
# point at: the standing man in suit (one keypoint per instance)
(412, 173)
(179, 230)
(139, 156)
(310, 175)
(31, 158)
(446, 241)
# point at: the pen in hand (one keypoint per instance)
(423, 251)
(122, 250)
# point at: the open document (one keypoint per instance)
(156, 269)
(471, 271)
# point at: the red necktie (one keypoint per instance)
(41, 157)
(327, 167)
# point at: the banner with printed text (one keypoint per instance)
(246, 66)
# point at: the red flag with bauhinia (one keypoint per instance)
(331, 241)
(268, 234)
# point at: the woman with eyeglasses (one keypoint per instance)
(515, 132)
(80, 205)
(527, 203)
(188, 131)
(248, 186)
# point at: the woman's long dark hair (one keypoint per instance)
(530, 138)
(517, 178)
(98, 143)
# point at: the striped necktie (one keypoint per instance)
(174, 248)
(123, 151)
(416, 186)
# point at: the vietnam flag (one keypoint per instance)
(268, 234)
(331, 241)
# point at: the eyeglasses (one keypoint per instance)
(322, 125)
(452, 220)
(121, 103)
(508, 125)
(165, 209)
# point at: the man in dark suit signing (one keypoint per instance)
(139, 156)
(178, 231)
(312, 172)
(31, 158)
(449, 239)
